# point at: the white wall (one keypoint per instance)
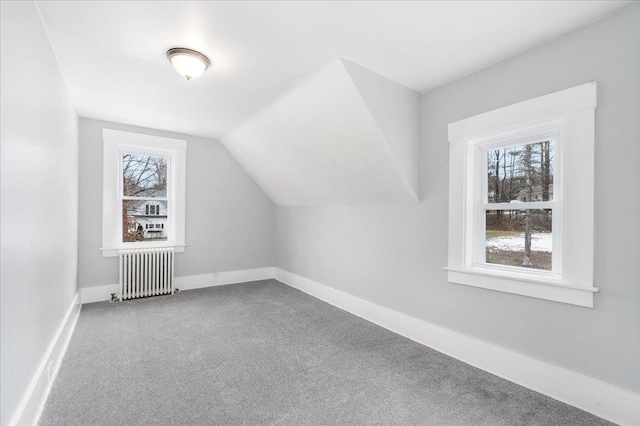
(393, 255)
(39, 197)
(229, 223)
(331, 140)
(396, 111)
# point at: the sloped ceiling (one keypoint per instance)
(112, 53)
(346, 135)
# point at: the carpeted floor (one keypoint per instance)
(264, 353)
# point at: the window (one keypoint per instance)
(144, 178)
(144, 184)
(152, 210)
(521, 198)
(515, 201)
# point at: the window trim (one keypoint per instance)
(574, 110)
(115, 142)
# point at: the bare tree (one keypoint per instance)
(526, 261)
(130, 230)
(498, 194)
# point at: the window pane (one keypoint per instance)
(521, 173)
(138, 225)
(144, 176)
(519, 238)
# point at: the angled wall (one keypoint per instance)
(396, 111)
(330, 141)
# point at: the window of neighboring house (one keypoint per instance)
(153, 209)
(521, 198)
(146, 179)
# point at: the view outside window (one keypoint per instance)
(509, 243)
(519, 234)
(144, 198)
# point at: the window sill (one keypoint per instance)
(113, 251)
(541, 287)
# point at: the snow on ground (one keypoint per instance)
(539, 242)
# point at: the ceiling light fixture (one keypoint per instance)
(187, 62)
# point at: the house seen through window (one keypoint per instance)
(144, 197)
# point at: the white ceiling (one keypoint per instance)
(112, 54)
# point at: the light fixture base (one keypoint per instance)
(188, 63)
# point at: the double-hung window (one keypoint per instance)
(145, 187)
(517, 212)
(143, 191)
(521, 198)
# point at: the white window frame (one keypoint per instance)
(115, 144)
(542, 132)
(568, 114)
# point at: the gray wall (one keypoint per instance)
(394, 255)
(229, 223)
(39, 198)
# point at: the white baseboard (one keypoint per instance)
(192, 282)
(103, 292)
(100, 293)
(32, 403)
(602, 399)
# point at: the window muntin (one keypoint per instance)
(144, 192)
(518, 202)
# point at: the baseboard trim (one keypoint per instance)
(602, 399)
(193, 282)
(32, 403)
(102, 293)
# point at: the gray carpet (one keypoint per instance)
(264, 353)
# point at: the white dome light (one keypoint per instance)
(188, 63)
